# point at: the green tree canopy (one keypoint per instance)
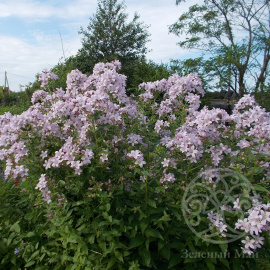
(110, 36)
(235, 36)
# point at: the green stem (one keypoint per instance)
(147, 177)
(93, 122)
(188, 170)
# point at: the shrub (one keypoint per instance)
(95, 179)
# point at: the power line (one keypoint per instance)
(19, 75)
(16, 74)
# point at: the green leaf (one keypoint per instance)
(13, 260)
(34, 254)
(251, 156)
(107, 207)
(260, 188)
(62, 182)
(16, 227)
(10, 238)
(225, 262)
(174, 260)
(145, 256)
(190, 260)
(145, 173)
(257, 170)
(142, 185)
(29, 264)
(223, 247)
(138, 171)
(152, 203)
(81, 227)
(161, 244)
(236, 264)
(83, 246)
(142, 214)
(30, 234)
(191, 246)
(91, 239)
(165, 252)
(111, 263)
(118, 256)
(72, 238)
(136, 241)
(210, 264)
(64, 258)
(153, 233)
(147, 242)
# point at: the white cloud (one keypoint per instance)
(160, 15)
(25, 9)
(33, 9)
(23, 61)
(41, 47)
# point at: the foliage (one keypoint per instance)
(137, 71)
(204, 68)
(15, 102)
(141, 70)
(94, 179)
(109, 36)
(264, 99)
(235, 37)
(61, 70)
(1, 93)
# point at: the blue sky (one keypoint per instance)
(30, 33)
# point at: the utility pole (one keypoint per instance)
(6, 89)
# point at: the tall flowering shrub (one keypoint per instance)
(104, 174)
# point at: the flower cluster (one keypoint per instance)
(94, 125)
(217, 220)
(43, 187)
(256, 222)
(138, 156)
(45, 76)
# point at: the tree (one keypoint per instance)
(1, 93)
(194, 65)
(143, 70)
(109, 36)
(234, 35)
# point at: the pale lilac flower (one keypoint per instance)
(134, 139)
(217, 220)
(44, 154)
(247, 251)
(45, 76)
(43, 187)
(39, 95)
(165, 162)
(258, 241)
(168, 177)
(243, 144)
(236, 204)
(88, 154)
(104, 157)
(138, 156)
(249, 243)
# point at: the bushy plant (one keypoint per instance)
(15, 102)
(95, 179)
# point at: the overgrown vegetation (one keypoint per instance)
(96, 169)
(96, 179)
